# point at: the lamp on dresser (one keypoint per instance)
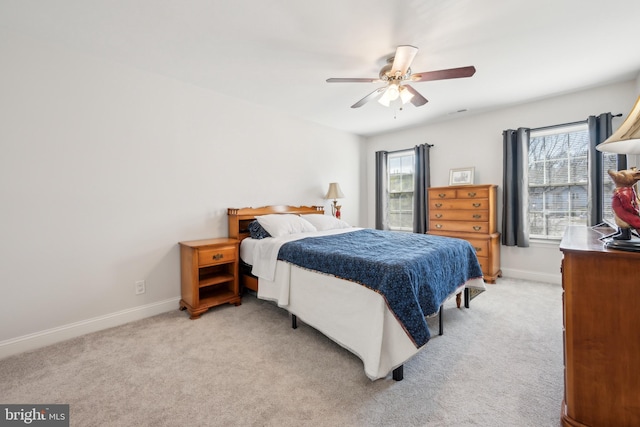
(624, 203)
(335, 193)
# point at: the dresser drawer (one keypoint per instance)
(442, 193)
(459, 215)
(464, 226)
(481, 246)
(484, 264)
(472, 193)
(470, 204)
(216, 256)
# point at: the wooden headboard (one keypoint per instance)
(239, 219)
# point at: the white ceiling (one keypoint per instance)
(279, 53)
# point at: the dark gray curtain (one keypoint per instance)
(515, 224)
(600, 128)
(381, 191)
(422, 181)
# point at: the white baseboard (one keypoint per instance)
(36, 340)
(532, 275)
(51, 336)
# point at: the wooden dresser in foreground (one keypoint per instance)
(601, 331)
(209, 274)
(468, 212)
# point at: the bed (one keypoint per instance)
(370, 306)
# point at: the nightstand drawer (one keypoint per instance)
(216, 256)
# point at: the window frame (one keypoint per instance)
(606, 160)
(548, 159)
(409, 153)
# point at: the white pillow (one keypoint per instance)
(283, 224)
(325, 222)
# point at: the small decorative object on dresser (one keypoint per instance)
(209, 274)
(468, 212)
(624, 204)
(461, 176)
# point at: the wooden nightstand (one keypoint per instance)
(209, 274)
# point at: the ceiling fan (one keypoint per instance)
(396, 73)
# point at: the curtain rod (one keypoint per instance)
(405, 149)
(579, 122)
(568, 124)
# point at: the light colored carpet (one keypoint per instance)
(498, 363)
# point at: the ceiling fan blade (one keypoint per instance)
(352, 80)
(451, 73)
(369, 97)
(403, 59)
(417, 99)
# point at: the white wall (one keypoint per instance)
(476, 140)
(104, 168)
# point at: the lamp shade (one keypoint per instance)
(405, 95)
(334, 191)
(626, 140)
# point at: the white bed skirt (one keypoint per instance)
(350, 314)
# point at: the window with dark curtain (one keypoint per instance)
(554, 177)
(402, 179)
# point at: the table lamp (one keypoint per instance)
(626, 140)
(334, 193)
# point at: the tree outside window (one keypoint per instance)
(558, 180)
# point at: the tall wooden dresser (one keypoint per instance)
(601, 331)
(468, 212)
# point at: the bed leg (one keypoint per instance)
(440, 327)
(466, 298)
(294, 321)
(398, 373)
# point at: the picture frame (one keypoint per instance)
(461, 176)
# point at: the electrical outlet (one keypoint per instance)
(140, 287)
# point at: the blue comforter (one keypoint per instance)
(415, 273)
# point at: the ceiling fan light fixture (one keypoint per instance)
(394, 91)
(385, 99)
(398, 70)
(405, 95)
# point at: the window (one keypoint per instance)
(400, 183)
(558, 180)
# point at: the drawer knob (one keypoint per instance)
(477, 227)
(477, 216)
(477, 205)
(438, 225)
(442, 195)
(478, 249)
(218, 256)
(439, 215)
(438, 205)
(472, 194)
